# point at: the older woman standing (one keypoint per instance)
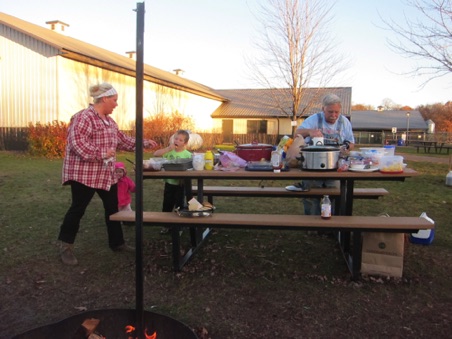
(89, 168)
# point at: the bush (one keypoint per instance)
(160, 127)
(47, 140)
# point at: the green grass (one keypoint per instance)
(238, 283)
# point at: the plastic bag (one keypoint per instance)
(294, 151)
(229, 159)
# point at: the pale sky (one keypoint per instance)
(209, 40)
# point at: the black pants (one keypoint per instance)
(81, 197)
(173, 197)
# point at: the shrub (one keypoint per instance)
(47, 140)
(160, 127)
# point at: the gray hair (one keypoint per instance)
(331, 99)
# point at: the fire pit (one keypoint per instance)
(112, 326)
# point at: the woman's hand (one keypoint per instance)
(149, 144)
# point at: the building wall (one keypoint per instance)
(27, 78)
(38, 85)
(280, 126)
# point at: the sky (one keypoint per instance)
(211, 39)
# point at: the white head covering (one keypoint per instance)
(108, 93)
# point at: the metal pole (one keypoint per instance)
(139, 175)
(407, 127)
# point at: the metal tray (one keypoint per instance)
(178, 165)
(206, 212)
(262, 166)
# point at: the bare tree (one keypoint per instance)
(296, 51)
(388, 104)
(427, 39)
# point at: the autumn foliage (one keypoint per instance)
(160, 127)
(47, 140)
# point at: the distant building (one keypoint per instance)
(269, 111)
(380, 126)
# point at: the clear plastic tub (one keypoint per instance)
(391, 164)
(389, 150)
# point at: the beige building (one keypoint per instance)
(45, 76)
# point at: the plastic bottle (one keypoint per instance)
(277, 161)
(209, 157)
(325, 207)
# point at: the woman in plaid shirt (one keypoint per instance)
(89, 168)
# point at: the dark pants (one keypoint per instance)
(173, 197)
(81, 197)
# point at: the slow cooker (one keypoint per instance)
(254, 151)
(319, 158)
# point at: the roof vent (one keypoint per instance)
(57, 26)
(178, 71)
(132, 55)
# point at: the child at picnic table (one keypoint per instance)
(174, 191)
(126, 186)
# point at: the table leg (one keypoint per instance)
(357, 255)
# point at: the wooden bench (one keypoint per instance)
(281, 192)
(346, 225)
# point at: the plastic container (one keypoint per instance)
(199, 161)
(373, 154)
(389, 150)
(449, 179)
(391, 164)
(423, 237)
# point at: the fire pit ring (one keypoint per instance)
(112, 326)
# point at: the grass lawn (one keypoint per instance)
(241, 284)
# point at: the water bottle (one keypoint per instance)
(325, 207)
(276, 161)
(208, 158)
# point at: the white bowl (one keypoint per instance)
(358, 166)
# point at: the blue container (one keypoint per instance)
(422, 237)
(400, 142)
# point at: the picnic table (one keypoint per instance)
(348, 227)
(428, 145)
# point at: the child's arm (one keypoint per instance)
(165, 150)
(132, 186)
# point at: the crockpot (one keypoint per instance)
(319, 158)
(254, 151)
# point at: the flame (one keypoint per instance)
(130, 329)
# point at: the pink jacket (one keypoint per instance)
(125, 187)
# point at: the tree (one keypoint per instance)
(440, 114)
(296, 50)
(389, 104)
(362, 107)
(427, 39)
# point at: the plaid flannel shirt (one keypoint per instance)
(89, 138)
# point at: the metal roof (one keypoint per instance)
(74, 49)
(385, 120)
(276, 102)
